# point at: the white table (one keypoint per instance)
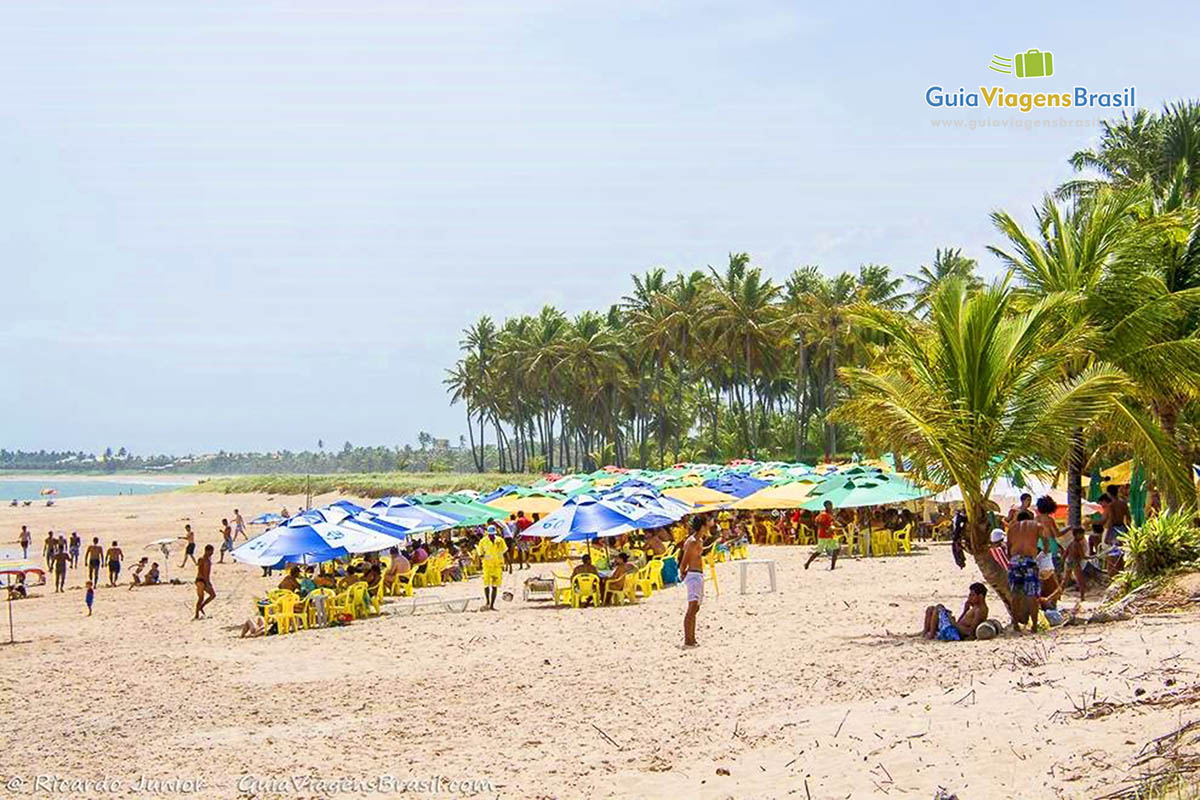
(767, 562)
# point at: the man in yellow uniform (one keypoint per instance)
(491, 549)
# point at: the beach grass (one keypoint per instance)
(376, 484)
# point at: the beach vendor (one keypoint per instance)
(492, 551)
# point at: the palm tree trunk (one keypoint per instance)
(1077, 458)
(801, 375)
(830, 428)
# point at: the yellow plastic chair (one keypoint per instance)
(433, 571)
(642, 582)
(881, 543)
(774, 535)
(402, 584)
(614, 596)
(563, 594)
(283, 613)
(421, 574)
(805, 536)
(655, 567)
(902, 539)
(360, 603)
(342, 603)
(631, 589)
(585, 587)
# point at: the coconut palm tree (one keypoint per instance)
(946, 264)
(978, 390)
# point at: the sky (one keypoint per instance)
(252, 225)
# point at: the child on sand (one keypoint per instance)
(89, 597)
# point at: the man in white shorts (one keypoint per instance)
(691, 568)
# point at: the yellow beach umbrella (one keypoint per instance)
(530, 505)
(699, 495)
(787, 495)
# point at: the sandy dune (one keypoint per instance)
(821, 690)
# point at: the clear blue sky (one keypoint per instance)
(251, 225)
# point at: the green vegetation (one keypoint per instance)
(360, 485)
(1163, 545)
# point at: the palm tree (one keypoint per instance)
(1144, 147)
(978, 390)
(1069, 255)
(946, 264)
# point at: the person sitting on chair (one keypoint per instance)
(291, 581)
(585, 567)
(616, 581)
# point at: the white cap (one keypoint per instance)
(1044, 562)
(997, 536)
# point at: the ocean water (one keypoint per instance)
(76, 487)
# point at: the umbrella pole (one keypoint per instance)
(11, 640)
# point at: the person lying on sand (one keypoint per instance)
(254, 626)
(941, 625)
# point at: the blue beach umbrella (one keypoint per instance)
(403, 512)
(270, 518)
(584, 518)
(736, 484)
(306, 540)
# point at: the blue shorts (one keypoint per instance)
(946, 631)
(1023, 577)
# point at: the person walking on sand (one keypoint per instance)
(114, 557)
(492, 551)
(26, 539)
(61, 559)
(691, 568)
(89, 596)
(239, 525)
(94, 556)
(74, 548)
(190, 550)
(205, 593)
(226, 540)
(48, 549)
(826, 541)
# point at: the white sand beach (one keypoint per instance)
(821, 690)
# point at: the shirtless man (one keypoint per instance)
(204, 588)
(226, 540)
(940, 624)
(1116, 515)
(113, 557)
(48, 548)
(61, 559)
(26, 540)
(1023, 581)
(190, 550)
(1026, 505)
(654, 544)
(691, 571)
(239, 525)
(93, 557)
